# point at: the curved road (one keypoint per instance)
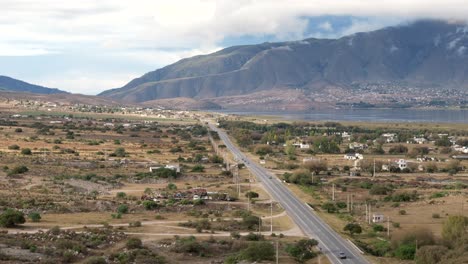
(308, 221)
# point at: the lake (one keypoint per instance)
(369, 115)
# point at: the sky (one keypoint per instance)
(89, 46)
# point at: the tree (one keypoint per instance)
(258, 251)
(251, 222)
(133, 243)
(121, 195)
(171, 186)
(119, 152)
(316, 166)
(11, 218)
(251, 195)
(454, 228)
(302, 250)
(26, 151)
(198, 168)
(398, 149)
(35, 216)
(353, 228)
(443, 142)
(122, 209)
(330, 207)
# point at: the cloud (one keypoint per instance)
(157, 32)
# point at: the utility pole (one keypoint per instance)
(277, 252)
(388, 226)
(373, 174)
(333, 191)
(271, 216)
(348, 208)
(369, 213)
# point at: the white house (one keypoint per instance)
(389, 137)
(356, 145)
(419, 140)
(346, 136)
(353, 156)
(402, 164)
(169, 166)
(377, 218)
(301, 145)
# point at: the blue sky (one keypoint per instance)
(89, 46)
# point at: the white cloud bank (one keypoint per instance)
(158, 32)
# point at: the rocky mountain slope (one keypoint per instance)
(14, 85)
(423, 57)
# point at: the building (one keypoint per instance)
(402, 164)
(389, 137)
(377, 218)
(353, 156)
(419, 140)
(174, 167)
(357, 146)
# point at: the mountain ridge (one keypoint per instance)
(14, 85)
(423, 55)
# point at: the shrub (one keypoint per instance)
(11, 218)
(134, 224)
(198, 168)
(96, 260)
(396, 224)
(302, 251)
(18, 170)
(26, 151)
(14, 147)
(34, 216)
(122, 209)
(378, 228)
(402, 212)
(133, 243)
(258, 251)
(121, 195)
(353, 228)
(251, 194)
(435, 215)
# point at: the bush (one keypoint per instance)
(18, 170)
(26, 151)
(258, 251)
(353, 228)
(121, 195)
(435, 215)
(96, 260)
(251, 195)
(402, 212)
(14, 147)
(379, 190)
(11, 218)
(133, 243)
(34, 216)
(18, 130)
(378, 228)
(122, 209)
(198, 168)
(396, 224)
(302, 251)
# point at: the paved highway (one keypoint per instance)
(311, 224)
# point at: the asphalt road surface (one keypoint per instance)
(329, 241)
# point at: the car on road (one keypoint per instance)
(342, 255)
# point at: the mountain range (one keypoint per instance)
(372, 68)
(14, 85)
(424, 63)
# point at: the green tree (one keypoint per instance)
(26, 151)
(302, 250)
(316, 166)
(430, 254)
(353, 228)
(251, 195)
(35, 216)
(11, 218)
(122, 209)
(258, 251)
